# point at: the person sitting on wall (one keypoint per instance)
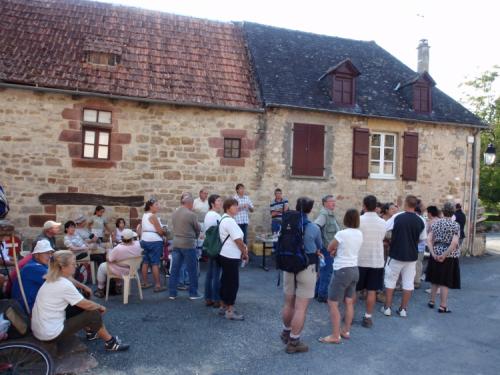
(128, 248)
(49, 232)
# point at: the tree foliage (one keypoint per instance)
(482, 100)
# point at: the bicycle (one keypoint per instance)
(25, 358)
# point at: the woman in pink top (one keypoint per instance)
(125, 250)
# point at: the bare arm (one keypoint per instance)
(87, 292)
(332, 247)
(154, 220)
(89, 305)
(243, 248)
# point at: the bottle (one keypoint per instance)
(322, 262)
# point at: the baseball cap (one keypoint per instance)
(42, 246)
(50, 224)
(128, 234)
(80, 219)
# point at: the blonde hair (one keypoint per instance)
(59, 259)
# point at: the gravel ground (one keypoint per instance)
(185, 337)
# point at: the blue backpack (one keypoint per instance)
(290, 252)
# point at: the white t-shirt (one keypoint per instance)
(229, 227)
(211, 219)
(371, 253)
(49, 311)
(200, 208)
(350, 241)
(149, 233)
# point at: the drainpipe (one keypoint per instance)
(473, 200)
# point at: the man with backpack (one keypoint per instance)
(297, 255)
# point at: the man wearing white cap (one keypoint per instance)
(49, 232)
(128, 248)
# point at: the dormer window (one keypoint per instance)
(418, 92)
(102, 51)
(422, 98)
(342, 78)
(101, 58)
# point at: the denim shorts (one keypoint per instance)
(152, 252)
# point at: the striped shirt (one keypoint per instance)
(278, 206)
(242, 216)
(371, 253)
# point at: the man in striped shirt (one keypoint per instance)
(245, 206)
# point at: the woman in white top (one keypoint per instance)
(152, 242)
(212, 281)
(49, 320)
(344, 248)
(74, 242)
(233, 251)
(117, 233)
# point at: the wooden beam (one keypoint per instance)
(78, 199)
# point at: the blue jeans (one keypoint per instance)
(275, 228)
(212, 281)
(325, 275)
(244, 228)
(187, 256)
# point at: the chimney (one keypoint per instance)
(423, 56)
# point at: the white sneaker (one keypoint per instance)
(386, 311)
(402, 313)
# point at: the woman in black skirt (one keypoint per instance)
(443, 270)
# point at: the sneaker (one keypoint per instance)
(386, 311)
(402, 313)
(296, 346)
(367, 322)
(285, 336)
(91, 336)
(172, 297)
(192, 298)
(116, 345)
(233, 315)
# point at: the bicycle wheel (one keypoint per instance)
(25, 358)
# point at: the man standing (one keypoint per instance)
(49, 232)
(407, 230)
(186, 231)
(329, 227)
(460, 219)
(278, 206)
(245, 206)
(200, 208)
(371, 256)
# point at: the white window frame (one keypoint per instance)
(381, 160)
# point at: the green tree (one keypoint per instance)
(482, 100)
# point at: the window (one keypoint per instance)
(232, 148)
(308, 154)
(421, 98)
(96, 143)
(97, 117)
(343, 90)
(102, 58)
(383, 155)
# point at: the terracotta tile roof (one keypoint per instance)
(161, 56)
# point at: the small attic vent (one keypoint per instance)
(102, 51)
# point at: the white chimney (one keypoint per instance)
(423, 56)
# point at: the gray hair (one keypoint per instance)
(187, 198)
(326, 197)
(448, 209)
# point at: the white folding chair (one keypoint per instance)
(133, 265)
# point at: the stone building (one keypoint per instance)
(105, 104)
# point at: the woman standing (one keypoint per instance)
(98, 224)
(443, 270)
(233, 250)
(344, 248)
(49, 321)
(212, 281)
(152, 243)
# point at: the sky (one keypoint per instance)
(461, 34)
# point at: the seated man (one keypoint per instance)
(49, 232)
(128, 248)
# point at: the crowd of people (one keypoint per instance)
(374, 250)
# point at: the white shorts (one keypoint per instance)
(394, 268)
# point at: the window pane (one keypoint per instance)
(104, 117)
(89, 136)
(102, 152)
(388, 168)
(236, 143)
(389, 154)
(375, 153)
(389, 141)
(374, 167)
(90, 115)
(376, 140)
(236, 153)
(104, 138)
(88, 151)
(227, 152)
(227, 143)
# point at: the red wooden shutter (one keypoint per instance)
(360, 152)
(308, 150)
(410, 156)
(337, 90)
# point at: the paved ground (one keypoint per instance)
(185, 337)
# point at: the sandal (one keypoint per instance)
(146, 286)
(345, 335)
(328, 340)
(430, 304)
(99, 293)
(444, 310)
(159, 289)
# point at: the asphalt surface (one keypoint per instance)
(185, 337)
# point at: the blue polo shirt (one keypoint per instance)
(32, 275)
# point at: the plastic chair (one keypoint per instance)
(133, 265)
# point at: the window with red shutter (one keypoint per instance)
(360, 149)
(308, 155)
(343, 89)
(410, 156)
(383, 155)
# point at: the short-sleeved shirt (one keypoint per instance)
(278, 206)
(407, 230)
(211, 219)
(185, 227)
(371, 253)
(350, 241)
(443, 231)
(120, 252)
(98, 223)
(74, 240)
(32, 276)
(49, 312)
(228, 226)
(200, 208)
(242, 216)
(312, 238)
